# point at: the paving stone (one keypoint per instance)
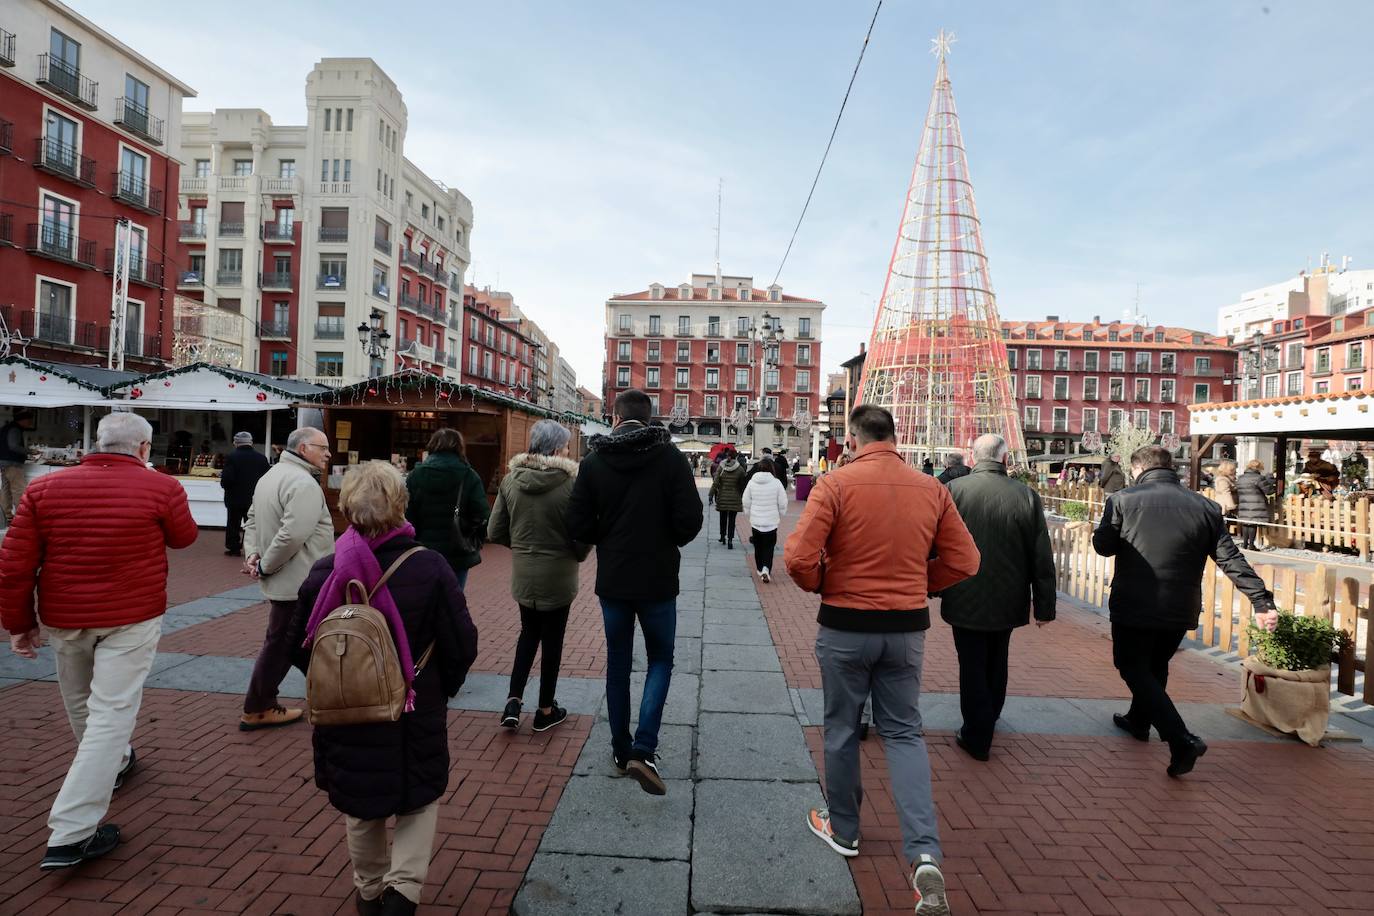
(734, 616)
(28, 669)
(213, 606)
(690, 623)
(674, 750)
(939, 711)
(681, 707)
(609, 816)
(8, 682)
(743, 746)
(736, 635)
(686, 655)
(250, 593)
(488, 693)
(752, 851)
(214, 674)
(745, 691)
(739, 658)
(559, 884)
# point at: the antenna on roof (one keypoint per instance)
(720, 191)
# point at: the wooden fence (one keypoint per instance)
(1321, 591)
(1054, 496)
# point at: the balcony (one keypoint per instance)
(61, 244)
(63, 79)
(805, 335)
(67, 331)
(274, 330)
(137, 120)
(680, 332)
(409, 302)
(229, 277)
(281, 187)
(141, 270)
(336, 187)
(276, 280)
(191, 231)
(325, 381)
(440, 276)
(194, 186)
(742, 334)
(134, 191)
(684, 358)
(411, 259)
(240, 184)
(381, 291)
(6, 137)
(331, 281)
(333, 233)
(381, 244)
(440, 357)
(625, 332)
(329, 330)
(191, 279)
(231, 230)
(279, 233)
(60, 159)
(6, 48)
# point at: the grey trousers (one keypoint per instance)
(888, 667)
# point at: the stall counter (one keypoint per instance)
(203, 493)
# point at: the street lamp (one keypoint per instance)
(764, 337)
(375, 341)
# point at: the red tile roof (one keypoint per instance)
(1043, 331)
(1278, 402)
(670, 294)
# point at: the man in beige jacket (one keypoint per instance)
(288, 529)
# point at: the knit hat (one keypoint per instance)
(243, 438)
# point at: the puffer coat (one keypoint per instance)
(93, 541)
(531, 518)
(435, 486)
(728, 488)
(388, 768)
(1253, 490)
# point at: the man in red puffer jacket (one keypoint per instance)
(93, 542)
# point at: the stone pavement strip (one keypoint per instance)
(730, 835)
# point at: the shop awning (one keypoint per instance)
(29, 383)
(204, 387)
(1344, 415)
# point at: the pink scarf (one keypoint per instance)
(355, 558)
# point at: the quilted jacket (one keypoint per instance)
(93, 540)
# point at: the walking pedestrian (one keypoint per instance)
(531, 518)
(727, 492)
(875, 536)
(377, 771)
(448, 503)
(289, 528)
(1112, 477)
(636, 501)
(779, 465)
(954, 468)
(928, 467)
(1161, 534)
(765, 502)
(1016, 573)
(1253, 489)
(243, 468)
(87, 558)
(14, 454)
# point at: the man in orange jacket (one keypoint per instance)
(876, 537)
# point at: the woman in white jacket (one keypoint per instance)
(765, 502)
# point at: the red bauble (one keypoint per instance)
(262, 395)
(372, 392)
(42, 378)
(231, 384)
(166, 384)
(135, 392)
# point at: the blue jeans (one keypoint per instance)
(658, 620)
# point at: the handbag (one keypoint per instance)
(465, 538)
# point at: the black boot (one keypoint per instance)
(394, 903)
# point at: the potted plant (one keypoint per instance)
(1288, 676)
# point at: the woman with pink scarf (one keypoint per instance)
(393, 769)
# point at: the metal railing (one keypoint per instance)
(381, 292)
(229, 277)
(136, 119)
(333, 233)
(58, 158)
(136, 192)
(191, 279)
(451, 360)
(275, 279)
(325, 330)
(6, 48)
(276, 232)
(274, 329)
(411, 259)
(381, 244)
(67, 81)
(409, 302)
(191, 229)
(141, 270)
(231, 230)
(58, 241)
(432, 312)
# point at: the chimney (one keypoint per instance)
(1051, 317)
(861, 347)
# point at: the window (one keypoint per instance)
(803, 327)
(1116, 361)
(1202, 393)
(770, 407)
(488, 362)
(328, 119)
(651, 378)
(348, 170)
(1011, 359)
(1090, 361)
(624, 323)
(623, 351)
(1271, 386)
(1166, 422)
(1141, 420)
(490, 336)
(1032, 359)
(1202, 365)
(1323, 387)
(231, 260)
(712, 405)
(1293, 382)
(1354, 356)
(684, 324)
(741, 379)
(803, 405)
(202, 168)
(333, 271)
(1058, 333)
(1294, 358)
(712, 378)
(803, 380)
(684, 377)
(381, 131)
(1113, 336)
(1061, 419)
(1033, 387)
(1137, 335)
(55, 311)
(742, 327)
(281, 264)
(1142, 362)
(329, 365)
(1061, 387)
(803, 354)
(1142, 389)
(379, 280)
(1166, 362)
(684, 352)
(1116, 389)
(1032, 418)
(473, 332)
(653, 405)
(279, 366)
(771, 380)
(243, 167)
(713, 353)
(713, 326)
(350, 120)
(59, 226)
(1167, 390)
(1061, 359)
(1089, 419)
(66, 52)
(655, 324)
(1354, 383)
(330, 324)
(1090, 388)
(473, 364)
(741, 353)
(653, 352)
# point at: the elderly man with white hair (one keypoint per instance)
(87, 558)
(1016, 574)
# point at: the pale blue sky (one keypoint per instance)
(1200, 148)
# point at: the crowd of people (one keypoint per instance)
(975, 537)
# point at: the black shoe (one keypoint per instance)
(230, 553)
(621, 764)
(730, 544)
(1126, 725)
(1185, 755)
(543, 723)
(968, 748)
(367, 907)
(863, 731)
(105, 838)
(127, 770)
(394, 903)
(722, 539)
(645, 772)
(510, 718)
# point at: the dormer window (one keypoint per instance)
(744, 294)
(656, 291)
(713, 292)
(775, 293)
(684, 291)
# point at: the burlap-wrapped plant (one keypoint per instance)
(1288, 678)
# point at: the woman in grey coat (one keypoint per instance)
(1253, 489)
(530, 517)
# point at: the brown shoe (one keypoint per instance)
(275, 717)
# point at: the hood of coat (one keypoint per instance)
(632, 445)
(536, 474)
(729, 464)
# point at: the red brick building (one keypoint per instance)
(707, 349)
(89, 134)
(1074, 377)
(497, 356)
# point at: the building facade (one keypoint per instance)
(499, 357)
(565, 391)
(89, 137)
(308, 232)
(1327, 291)
(722, 360)
(592, 405)
(1070, 378)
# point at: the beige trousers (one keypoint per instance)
(405, 868)
(100, 673)
(12, 483)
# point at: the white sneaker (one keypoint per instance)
(763, 574)
(929, 884)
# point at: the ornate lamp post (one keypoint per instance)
(375, 340)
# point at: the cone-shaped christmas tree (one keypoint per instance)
(936, 358)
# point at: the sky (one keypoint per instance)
(1198, 149)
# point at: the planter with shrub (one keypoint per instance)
(1288, 676)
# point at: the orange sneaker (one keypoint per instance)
(275, 717)
(818, 819)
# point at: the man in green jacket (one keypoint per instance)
(1017, 573)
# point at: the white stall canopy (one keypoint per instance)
(204, 387)
(27, 383)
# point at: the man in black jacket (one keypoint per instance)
(1161, 534)
(955, 467)
(1017, 572)
(243, 468)
(635, 499)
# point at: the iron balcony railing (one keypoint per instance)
(432, 312)
(191, 229)
(141, 270)
(381, 291)
(136, 119)
(6, 48)
(191, 279)
(381, 244)
(229, 277)
(65, 80)
(333, 233)
(54, 240)
(325, 330)
(231, 230)
(279, 232)
(274, 329)
(136, 192)
(451, 360)
(275, 280)
(409, 302)
(411, 259)
(61, 159)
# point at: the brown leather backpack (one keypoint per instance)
(354, 676)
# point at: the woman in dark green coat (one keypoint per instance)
(436, 487)
(727, 492)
